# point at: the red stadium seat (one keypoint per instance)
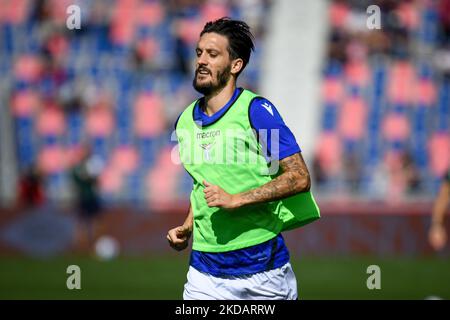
(110, 180)
(212, 11)
(25, 103)
(125, 159)
(100, 122)
(426, 92)
(439, 153)
(352, 118)
(14, 11)
(28, 68)
(408, 15)
(52, 159)
(357, 73)
(189, 29)
(51, 122)
(396, 127)
(123, 22)
(150, 13)
(339, 14)
(149, 115)
(401, 84)
(329, 152)
(58, 46)
(162, 179)
(332, 90)
(58, 10)
(148, 48)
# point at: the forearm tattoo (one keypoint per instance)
(294, 179)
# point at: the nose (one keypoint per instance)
(202, 60)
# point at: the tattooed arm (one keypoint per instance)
(294, 179)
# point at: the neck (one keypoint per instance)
(215, 101)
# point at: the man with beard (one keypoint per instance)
(238, 209)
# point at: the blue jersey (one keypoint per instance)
(273, 253)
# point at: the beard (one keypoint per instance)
(209, 87)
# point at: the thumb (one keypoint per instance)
(181, 230)
(206, 183)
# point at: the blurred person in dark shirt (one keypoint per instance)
(85, 180)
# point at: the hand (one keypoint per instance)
(216, 197)
(437, 236)
(179, 237)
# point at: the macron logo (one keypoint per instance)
(268, 107)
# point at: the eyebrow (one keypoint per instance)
(207, 50)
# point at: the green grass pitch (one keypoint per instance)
(163, 277)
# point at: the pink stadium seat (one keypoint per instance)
(74, 155)
(408, 15)
(122, 32)
(125, 159)
(123, 22)
(52, 159)
(189, 29)
(357, 73)
(329, 152)
(28, 68)
(58, 10)
(426, 92)
(332, 90)
(162, 179)
(396, 127)
(401, 83)
(51, 122)
(148, 48)
(439, 153)
(25, 103)
(352, 118)
(213, 11)
(110, 180)
(14, 11)
(339, 14)
(99, 122)
(58, 45)
(148, 115)
(150, 13)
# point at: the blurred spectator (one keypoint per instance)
(31, 192)
(85, 179)
(352, 171)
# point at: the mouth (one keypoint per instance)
(203, 72)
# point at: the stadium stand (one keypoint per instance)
(117, 84)
(385, 101)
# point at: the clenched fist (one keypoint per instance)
(215, 196)
(179, 237)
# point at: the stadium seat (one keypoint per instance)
(352, 118)
(439, 153)
(52, 159)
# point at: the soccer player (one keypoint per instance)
(437, 235)
(238, 209)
